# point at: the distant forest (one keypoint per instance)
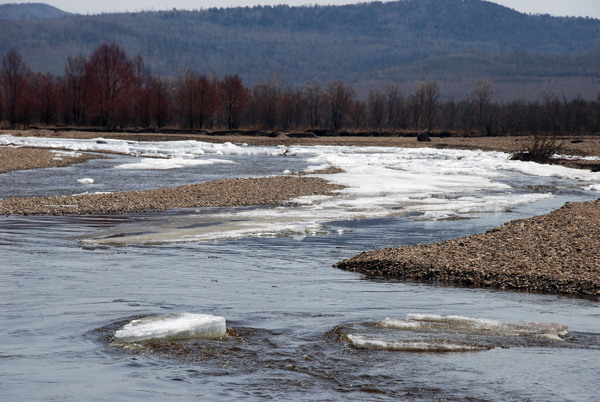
(452, 42)
(110, 90)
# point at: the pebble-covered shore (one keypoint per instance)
(33, 158)
(557, 253)
(274, 190)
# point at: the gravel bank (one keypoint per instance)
(32, 158)
(557, 253)
(220, 193)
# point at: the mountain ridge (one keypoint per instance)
(364, 44)
(31, 11)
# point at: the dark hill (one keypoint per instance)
(456, 41)
(30, 11)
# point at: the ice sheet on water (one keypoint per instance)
(171, 163)
(166, 149)
(481, 326)
(449, 333)
(174, 326)
(436, 346)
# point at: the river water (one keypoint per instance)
(296, 327)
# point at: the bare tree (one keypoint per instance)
(376, 107)
(160, 103)
(140, 85)
(482, 95)
(14, 77)
(76, 88)
(110, 75)
(393, 106)
(341, 98)
(235, 99)
(315, 98)
(426, 98)
(266, 99)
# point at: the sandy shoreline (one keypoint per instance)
(557, 253)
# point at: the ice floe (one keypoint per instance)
(175, 326)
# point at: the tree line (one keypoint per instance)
(111, 91)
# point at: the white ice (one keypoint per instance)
(170, 163)
(486, 326)
(176, 326)
(364, 342)
(85, 180)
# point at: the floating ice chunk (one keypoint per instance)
(398, 324)
(176, 326)
(364, 342)
(482, 326)
(85, 180)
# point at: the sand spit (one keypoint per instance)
(557, 253)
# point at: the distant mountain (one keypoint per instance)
(366, 45)
(30, 11)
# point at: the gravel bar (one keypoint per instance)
(276, 190)
(557, 253)
(12, 159)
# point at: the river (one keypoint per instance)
(297, 328)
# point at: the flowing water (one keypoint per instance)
(296, 328)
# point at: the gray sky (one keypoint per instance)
(577, 8)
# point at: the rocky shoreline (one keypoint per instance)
(12, 159)
(275, 190)
(557, 253)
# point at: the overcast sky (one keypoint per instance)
(589, 8)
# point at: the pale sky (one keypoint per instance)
(574, 8)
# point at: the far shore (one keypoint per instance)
(557, 253)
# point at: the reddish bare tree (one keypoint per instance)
(14, 79)
(140, 82)
(207, 100)
(76, 89)
(185, 97)
(266, 98)
(110, 77)
(235, 99)
(160, 102)
(47, 97)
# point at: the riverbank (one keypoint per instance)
(276, 190)
(12, 159)
(557, 253)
